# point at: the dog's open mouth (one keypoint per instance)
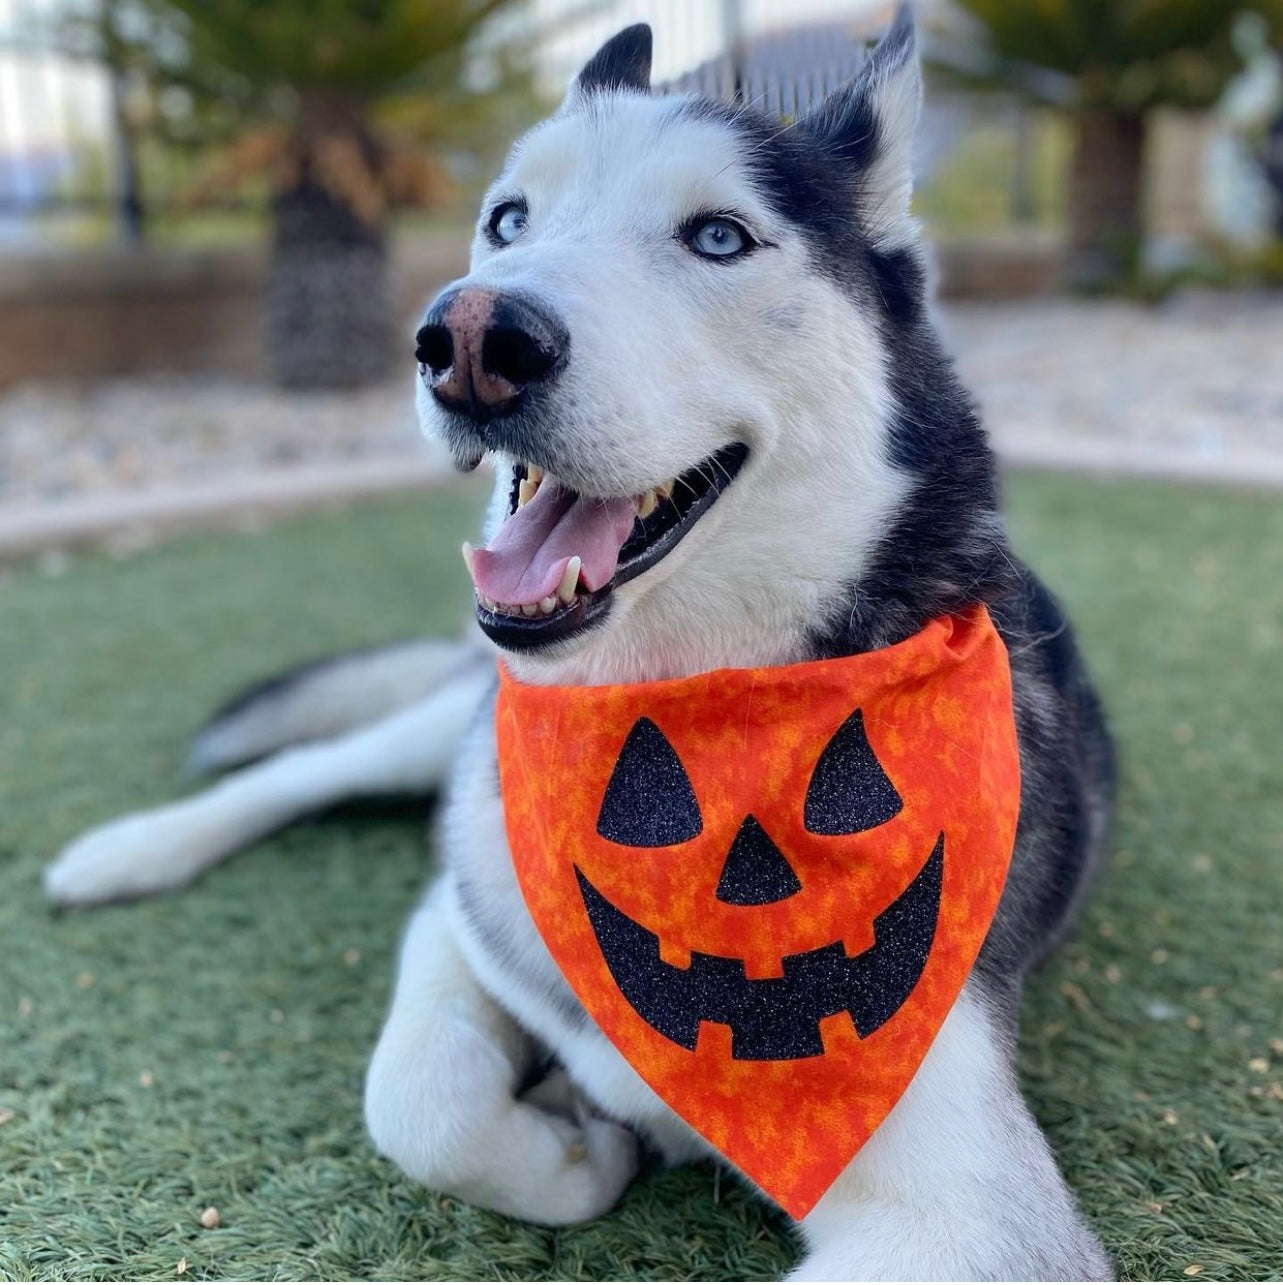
(551, 568)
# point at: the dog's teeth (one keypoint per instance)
(667, 489)
(534, 475)
(647, 505)
(548, 605)
(468, 551)
(487, 603)
(566, 589)
(529, 608)
(526, 491)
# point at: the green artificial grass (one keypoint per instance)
(208, 1048)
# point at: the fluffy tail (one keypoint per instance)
(324, 699)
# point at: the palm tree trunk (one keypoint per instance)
(327, 308)
(1105, 222)
(1272, 162)
(129, 201)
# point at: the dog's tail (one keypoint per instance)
(325, 698)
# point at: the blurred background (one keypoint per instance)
(220, 218)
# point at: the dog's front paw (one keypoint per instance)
(146, 852)
(441, 1108)
(890, 1242)
(602, 1153)
(601, 1162)
(526, 1162)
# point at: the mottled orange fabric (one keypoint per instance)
(938, 715)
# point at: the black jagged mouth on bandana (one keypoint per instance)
(656, 533)
(773, 1019)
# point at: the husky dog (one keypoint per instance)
(696, 347)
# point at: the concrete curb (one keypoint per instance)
(1262, 469)
(29, 528)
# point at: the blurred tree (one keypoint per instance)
(344, 110)
(1122, 59)
(114, 56)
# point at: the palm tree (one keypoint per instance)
(1123, 58)
(342, 108)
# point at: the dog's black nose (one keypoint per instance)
(479, 350)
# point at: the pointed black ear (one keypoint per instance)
(622, 64)
(870, 124)
(649, 802)
(849, 791)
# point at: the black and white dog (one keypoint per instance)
(696, 347)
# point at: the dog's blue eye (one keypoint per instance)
(719, 239)
(507, 223)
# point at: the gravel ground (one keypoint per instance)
(1194, 386)
(63, 441)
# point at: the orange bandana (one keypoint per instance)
(767, 886)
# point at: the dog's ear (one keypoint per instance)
(621, 64)
(870, 124)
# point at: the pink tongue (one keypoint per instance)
(527, 559)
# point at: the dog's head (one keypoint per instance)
(674, 343)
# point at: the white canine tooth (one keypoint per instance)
(566, 589)
(666, 489)
(534, 474)
(468, 551)
(548, 605)
(529, 609)
(647, 505)
(526, 492)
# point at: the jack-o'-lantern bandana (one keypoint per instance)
(767, 886)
